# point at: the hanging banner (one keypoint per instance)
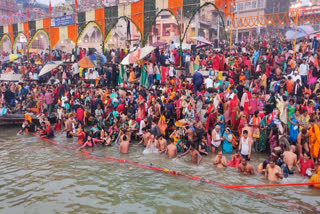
(62, 21)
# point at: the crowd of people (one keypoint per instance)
(255, 98)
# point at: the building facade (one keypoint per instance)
(7, 6)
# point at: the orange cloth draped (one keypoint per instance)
(46, 24)
(26, 30)
(54, 36)
(132, 77)
(314, 140)
(315, 179)
(34, 110)
(10, 32)
(174, 6)
(27, 117)
(137, 14)
(99, 18)
(72, 33)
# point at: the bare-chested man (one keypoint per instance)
(124, 145)
(145, 137)
(162, 144)
(290, 158)
(245, 168)
(273, 172)
(303, 142)
(157, 109)
(171, 149)
(190, 132)
(195, 155)
(68, 126)
(220, 161)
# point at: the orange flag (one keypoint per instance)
(50, 7)
(28, 15)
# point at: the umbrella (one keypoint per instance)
(49, 67)
(201, 45)
(11, 57)
(131, 57)
(302, 31)
(158, 44)
(92, 60)
(201, 39)
(85, 63)
(145, 51)
(137, 55)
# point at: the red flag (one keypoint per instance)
(50, 7)
(76, 4)
(11, 20)
(28, 15)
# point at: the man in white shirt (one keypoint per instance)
(75, 68)
(208, 82)
(92, 75)
(294, 76)
(303, 71)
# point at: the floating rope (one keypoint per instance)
(97, 157)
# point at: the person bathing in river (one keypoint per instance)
(162, 144)
(171, 149)
(245, 168)
(46, 130)
(27, 127)
(80, 134)
(91, 142)
(195, 155)
(145, 137)
(124, 145)
(273, 171)
(220, 161)
(235, 160)
(290, 159)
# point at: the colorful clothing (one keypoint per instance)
(143, 78)
(226, 145)
(290, 112)
(263, 136)
(294, 130)
(314, 140)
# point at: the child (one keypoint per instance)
(89, 143)
(57, 126)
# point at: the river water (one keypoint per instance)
(37, 177)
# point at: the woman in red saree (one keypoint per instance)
(242, 121)
(178, 107)
(234, 108)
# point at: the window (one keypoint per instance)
(260, 3)
(247, 5)
(254, 4)
(240, 6)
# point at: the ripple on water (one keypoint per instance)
(36, 177)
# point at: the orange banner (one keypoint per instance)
(99, 18)
(46, 23)
(26, 30)
(54, 36)
(137, 14)
(10, 32)
(175, 5)
(72, 33)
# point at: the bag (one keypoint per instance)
(256, 133)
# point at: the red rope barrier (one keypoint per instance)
(89, 156)
(234, 187)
